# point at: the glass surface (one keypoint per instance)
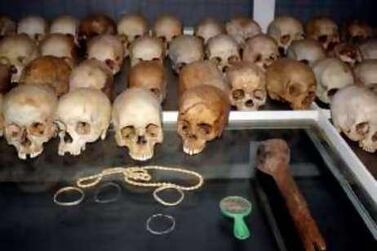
(31, 221)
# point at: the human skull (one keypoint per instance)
(149, 75)
(107, 49)
(248, 86)
(82, 116)
(17, 51)
(366, 73)
(285, 30)
(92, 73)
(147, 48)
(136, 117)
(59, 45)
(7, 26)
(66, 25)
(291, 81)
(369, 49)
(223, 50)
(261, 50)
(201, 73)
(132, 26)
(331, 74)
(347, 52)
(307, 51)
(93, 25)
(324, 30)
(28, 118)
(185, 49)
(35, 27)
(357, 31)
(354, 110)
(207, 28)
(167, 27)
(50, 71)
(242, 28)
(203, 115)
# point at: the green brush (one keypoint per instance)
(238, 208)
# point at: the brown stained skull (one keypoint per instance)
(324, 30)
(292, 82)
(203, 115)
(248, 83)
(242, 28)
(357, 31)
(96, 24)
(149, 75)
(348, 53)
(50, 71)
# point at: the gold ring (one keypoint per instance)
(69, 203)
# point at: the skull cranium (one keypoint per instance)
(82, 116)
(166, 28)
(324, 30)
(147, 48)
(66, 25)
(307, 51)
(207, 28)
(136, 118)
(34, 26)
(59, 45)
(28, 118)
(242, 28)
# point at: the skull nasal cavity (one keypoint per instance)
(249, 103)
(141, 140)
(67, 138)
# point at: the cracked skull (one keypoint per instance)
(166, 28)
(17, 51)
(354, 110)
(59, 45)
(82, 116)
(130, 27)
(28, 118)
(136, 117)
(35, 27)
(331, 74)
(261, 50)
(66, 25)
(242, 28)
(108, 49)
(285, 30)
(208, 28)
(307, 51)
(149, 75)
(92, 73)
(184, 50)
(223, 50)
(50, 71)
(147, 48)
(366, 74)
(292, 82)
(203, 115)
(324, 30)
(248, 86)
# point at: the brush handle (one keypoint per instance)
(240, 229)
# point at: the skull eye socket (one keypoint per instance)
(137, 36)
(217, 60)
(238, 94)
(4, 60)
(156, 92)
(185, 126)
(294, 90)
(162, 38)
(82, 128)
(123, 38)
(152, 130)
(258, 58)
(37, 129)
(233, 59)
(13, 130)
(374, 137)
(110, 63)
(205, 128)
(332, 92)
(305, 61)
(259, 94)
(21, 59)
(155, 59)
(362, 128)
(128, 131)
(322, 38)
(285, 39)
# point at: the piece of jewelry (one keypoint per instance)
(167, 203)
(102, 188)
(66, 190)
(157, 216)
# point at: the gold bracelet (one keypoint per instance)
(69, 203)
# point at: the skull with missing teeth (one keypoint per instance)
(82, 116)
(223, 50)
(285, 30)
(147, 48)
(33, 26)
(17, 51)
(203, 115)
(59, 45)
(307, 51)
(332, 74)
(131, 27)
(354, 110)
(292, 82)
(92, 73)
(166, 28)
(66, 25)
(149, 75)
(248, 83)
(136, 117)
(108, 49)
(261, 50)
(208, 28)
(184, 50)
(324, 30)
(28, 118)
(242, 28)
